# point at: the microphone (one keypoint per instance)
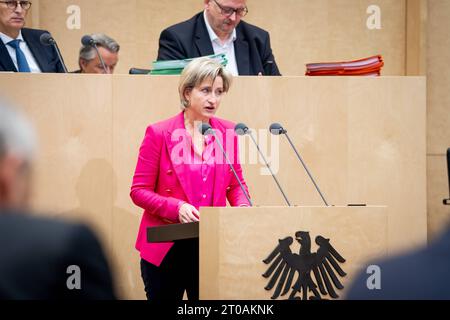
(206, 129)
(87, 41)
(447, 201)
(241, 130)
(277, 129)
(46, 39)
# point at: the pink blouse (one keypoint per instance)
(202, 172)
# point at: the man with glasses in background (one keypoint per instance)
(219, 30)
(20, 48)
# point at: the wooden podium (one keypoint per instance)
(235, 241)
(328, 245)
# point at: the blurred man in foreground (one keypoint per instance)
(40, 258)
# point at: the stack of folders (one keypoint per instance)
(176, 67)
(364, 67)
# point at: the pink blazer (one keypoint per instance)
(159, 183)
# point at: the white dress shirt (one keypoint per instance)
(227, 48)
(34, 67)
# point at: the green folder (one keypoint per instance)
(176, 67)
(166, 72)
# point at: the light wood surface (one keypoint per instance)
(416, 37)
(413, 39)
(302, 31)
(438, 77)
(438, 113)
(363, 140)
(438, 190)
(235, 241)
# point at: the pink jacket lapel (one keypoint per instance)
(178, 167)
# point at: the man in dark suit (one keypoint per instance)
(46, 259)
(418, 275)
(41, 258)
(219, 30)
(20, 48)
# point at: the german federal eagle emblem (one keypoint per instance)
(285, 265)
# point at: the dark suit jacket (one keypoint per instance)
(421, 274)
(36, 252)
(45, 56)
(190, 39)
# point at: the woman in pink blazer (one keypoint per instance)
(178, 171)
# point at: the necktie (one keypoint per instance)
(21, 60)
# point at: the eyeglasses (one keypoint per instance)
(227, 11)
(13, 4)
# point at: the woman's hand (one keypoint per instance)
(188, 213)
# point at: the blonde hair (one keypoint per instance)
(197, 71)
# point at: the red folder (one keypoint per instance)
(370, 66)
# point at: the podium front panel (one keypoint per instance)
(235, 241)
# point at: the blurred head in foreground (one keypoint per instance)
(17, 149)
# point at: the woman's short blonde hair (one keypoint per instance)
(197, 71)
